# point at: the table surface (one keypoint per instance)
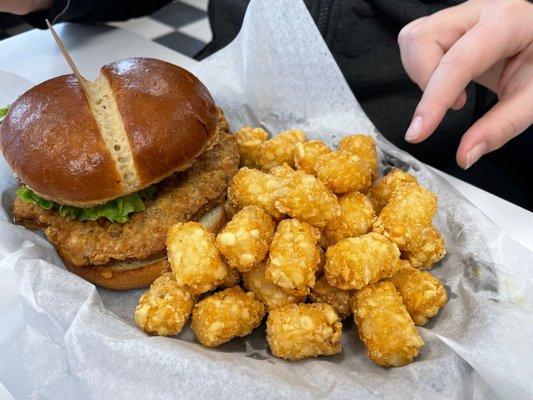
(34, 56)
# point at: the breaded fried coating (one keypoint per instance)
(244, 241)
(294, 256)
(300, 331)
(364, 147)
(410, 209)
(356, 262)
(423, 294)
(427, 250)
(384, 325)
(194, 258)
(280, 149)
(339, 299)
(250, 187)
(356, 218)
(380, 193)
(164, 308)
(250, 141)
(231, 279)
(226, 315)
(343, 172)
(272, 296)
(304, 197)
(307, 155)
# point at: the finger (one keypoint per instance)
(468, 58)
(507, 119)
(460, 101)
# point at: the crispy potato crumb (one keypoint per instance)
(256, 188)
(356, 218)
(194, 258)
(294, 256)
(307, 154)
(410, 209)
(164, 308)
(384, 325)
(304, 197)
(244, 241)
(339, 299)
(423, 294)
(272, 296)
(380, 193)
(300, 331)
(280, 149)
(356, 262)
(427, 249)
(364, 147)
(226, 315)
(251, 142)
(343, 172)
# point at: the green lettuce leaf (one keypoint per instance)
(116, 210)
(3, 112)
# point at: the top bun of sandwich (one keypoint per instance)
(140, 121)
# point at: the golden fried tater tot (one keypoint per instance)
(356, 262)
(300, 331)
(226, 315)
(427, 250)
(410, 209)
(294, 256)
(423, 294)
(164, 309)
(339, 299)
(385, 326)
(251, 142)
(232, 278)
(194, 258)
(272, 296)
(280, 149)
(304, 197)
(282, 171)
(364, 147)
(256, 188)
(380, 193)
(356, 218)
(245, 239)
(308, 153)
(343, 172)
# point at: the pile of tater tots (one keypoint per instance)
(314, 237)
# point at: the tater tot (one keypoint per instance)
(356, 262)
(280, 149)
(300, 331)
(423, 294)
(250, 142)
(272, 296)
(356, 218)
(385, 326)
(194, 258)
(245, 239)
(364, 147)
(427, 250)
(307, 154)
(304, 197)
(380, 193)
(256, 188)
(232, 278)
(226, 315)
(294, 256)
(164, 309)
(339, 299)
(343, 172)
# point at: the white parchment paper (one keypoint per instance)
(61, 338)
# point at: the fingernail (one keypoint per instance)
(475, 154)
(414, 129)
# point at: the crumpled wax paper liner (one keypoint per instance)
(62, 338)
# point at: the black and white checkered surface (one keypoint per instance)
(182, 26)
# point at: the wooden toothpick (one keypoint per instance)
(66, 55)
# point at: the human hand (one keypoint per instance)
(23, 7)
(486, 41)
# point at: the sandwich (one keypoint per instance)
(106, 167)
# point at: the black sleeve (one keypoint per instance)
(94, 11)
